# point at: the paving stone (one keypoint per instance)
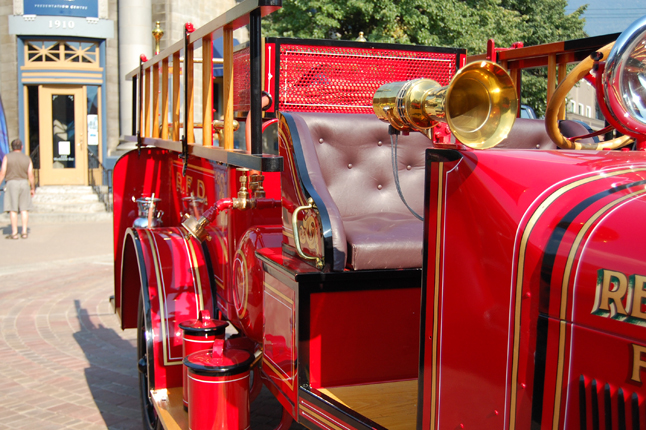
(64, 361)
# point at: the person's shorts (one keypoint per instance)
(17, 196)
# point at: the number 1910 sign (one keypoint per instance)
(57, 23)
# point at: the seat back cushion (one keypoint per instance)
(354, 155)
(531, 134)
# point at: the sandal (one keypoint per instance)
(12, 236)
(24, 236)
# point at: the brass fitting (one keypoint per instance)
(218, 128)
(195, 227)
(242, 202)
(256, 186)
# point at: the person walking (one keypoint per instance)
(18, 170)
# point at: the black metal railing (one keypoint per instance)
(103, 191)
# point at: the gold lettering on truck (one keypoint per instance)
(636, 296)
(638, 362)
(611, 288)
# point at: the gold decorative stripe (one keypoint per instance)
(160, 294)
(245, 284)
(321, 418)
(196, 271)
(288, 233)
(283, 296)
(196, 168)
(559, 375)
(224, 249)
(564, 295)
(207, 381)
(198, 341)
(436, 288)
(538, 213)
(282, 376)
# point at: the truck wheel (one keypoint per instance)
(145, 364)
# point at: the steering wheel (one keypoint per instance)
(551, 114)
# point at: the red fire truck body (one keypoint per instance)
(518, 302)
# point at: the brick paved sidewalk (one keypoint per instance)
(64, 361)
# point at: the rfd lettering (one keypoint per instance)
(189, 189)
(620, 297)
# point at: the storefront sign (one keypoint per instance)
(82, 8)
(92, 129)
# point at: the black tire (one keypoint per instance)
(145, 364)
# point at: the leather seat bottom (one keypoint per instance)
(384, 241)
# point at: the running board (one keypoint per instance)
(170, 408)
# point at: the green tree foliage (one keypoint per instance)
(456, 23)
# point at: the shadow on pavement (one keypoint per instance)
(113, 380)
(112, 376)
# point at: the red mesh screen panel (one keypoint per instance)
(344, 79)
(241, 78)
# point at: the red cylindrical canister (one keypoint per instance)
(198, 335)
(218, 388)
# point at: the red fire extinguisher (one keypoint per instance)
(218, 387)
(199, 335)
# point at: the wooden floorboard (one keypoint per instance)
(169, 407)
(391, 404)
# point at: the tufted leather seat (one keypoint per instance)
(531, 134)
(351, 162)
(348, 159)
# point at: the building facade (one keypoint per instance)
(582, 106)
(62, 68)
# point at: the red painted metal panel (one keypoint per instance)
(521, 234)
(279, 359)
(138, 174)
(384, 345)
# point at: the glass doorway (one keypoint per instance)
(62, 135)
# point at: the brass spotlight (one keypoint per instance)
(479, 104)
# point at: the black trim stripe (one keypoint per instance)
(621, 407)
(595, 405)
(607, 406)
(583, 418)
(547, 268)
(338, 410)
(212, 282)
(634, 401)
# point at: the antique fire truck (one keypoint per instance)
(377, 266)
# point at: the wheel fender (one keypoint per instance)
(168, 270)
(247, 293)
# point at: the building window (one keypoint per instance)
(571, 108)
(61, 54)
(581, 109)
(588, 111)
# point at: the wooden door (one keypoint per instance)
(63, 146)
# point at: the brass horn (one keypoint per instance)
(479, 104)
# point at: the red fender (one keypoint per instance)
(167, 268)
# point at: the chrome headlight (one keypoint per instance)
(625, 79)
